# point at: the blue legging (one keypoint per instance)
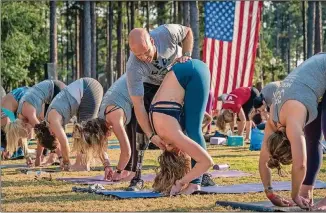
(194, 77)
(313, 135)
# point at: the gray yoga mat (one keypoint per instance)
(148, 177)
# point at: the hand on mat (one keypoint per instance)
(278, 200)
(183, 59)
(116, 176)
(302, 202)
(176, 188)
(108, 173)
(158, 142)
(29, 162)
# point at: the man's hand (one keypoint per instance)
(158, 142)
(183, 59)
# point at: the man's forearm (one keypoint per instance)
(143, 120)
(188, 42)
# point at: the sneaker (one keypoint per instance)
(135, 185)
(207, 180)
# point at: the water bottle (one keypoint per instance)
(229, 133)
(36, 173)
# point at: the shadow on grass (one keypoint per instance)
(57, 198)
(32, 182)
(232, 156)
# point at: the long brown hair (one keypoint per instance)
(225, 117)
(172, 167)
(280, 151)
(44, 136)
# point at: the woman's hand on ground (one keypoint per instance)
(278, 200)
(108, 173)
(302, 202)
(116, 176)
(176, 188)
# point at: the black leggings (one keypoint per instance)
(131, 132)
(313, 133)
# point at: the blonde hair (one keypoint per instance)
(89, 138)
(14, 132)
(225, 117)
(172, 167)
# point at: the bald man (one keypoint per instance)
(152, 56)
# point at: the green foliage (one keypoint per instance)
(24, 42)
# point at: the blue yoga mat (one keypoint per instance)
(114, 147)
(130, 194)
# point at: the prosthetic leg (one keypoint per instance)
(137, 184)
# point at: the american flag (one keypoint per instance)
(231, 38)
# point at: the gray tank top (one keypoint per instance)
(306, 84)
(117, 95)
(67, 102)
(39, 94)
(268, 92)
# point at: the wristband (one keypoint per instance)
(270, 195)
(118, 171)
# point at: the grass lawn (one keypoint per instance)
(20, 192)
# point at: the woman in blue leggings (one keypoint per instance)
(176, 115)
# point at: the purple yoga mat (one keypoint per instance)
(253, 187)
(147, 177)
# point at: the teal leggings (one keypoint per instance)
(194, 77)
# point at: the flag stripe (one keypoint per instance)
(245, 59)
(238, 46)
(231, 37)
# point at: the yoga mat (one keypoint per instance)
(8, 166)
(38, 169)
(114, 147)
(148, 177)
(252, 187)
(262, 206)
(129, 194)
(99, 180)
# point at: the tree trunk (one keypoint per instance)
(186, 14)
(175, 12)
(132, 15)
(194, 20)
(53, 37)
(161, 12)
(68, 33)
(304, 24)
(289, 43)
(277, 30)
(77, 46)
(147, 16)
(93, 39)
(310, 33)
(318, 28)
(119, 37)
(87, 50)
(180, 12)
(109, 72)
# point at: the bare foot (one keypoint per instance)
(191, 188)
(320, 206)
(129, 176)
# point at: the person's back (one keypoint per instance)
(268, 92)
